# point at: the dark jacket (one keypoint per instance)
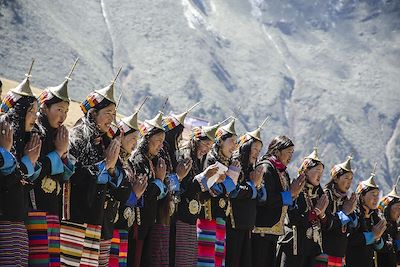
(338, 226)
(360, 252)
(388, 255)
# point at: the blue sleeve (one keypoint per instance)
(174, 182)
(369, 238)
(28, 165)
(253, 187)
(9, 164)
(287, 198)
(36, 172)
(57, 165)
(344, 219)
(379, 246)
(117, 179)
(162, 187)
(262, 194)
(235, 193)
(353, 220)
(397, 242)
(229, 184)
(217, 189)
(69, 170)
(103, 176)
(132, 200)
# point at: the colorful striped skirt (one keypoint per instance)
(104, 256)
(211, 242)
(14, 249)
(119, 248)
(36, 225)
(159, 242)
(80, 244)
(186, 245)
(324, 260)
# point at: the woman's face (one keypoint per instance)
(285, 155)
(104, 117)
(156, 143)
(228, 146)
(314, 174)
(31, 116)
(203, 147)
(129, 141)
(255, 152)
(343, 182)
(56, 113)
(395, 212)
(370, 199)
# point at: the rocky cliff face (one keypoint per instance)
(328, 68)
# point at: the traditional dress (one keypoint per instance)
(362, 246)
(211, 231)
(44, 221)
(189, 205)
(388, 256)
(339, 225)
(91, 204)
(243, 207)
(302, 241)
(139, 243)
(17, 174)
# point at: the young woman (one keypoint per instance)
(20, 150)
(44, 220)
(97, 172)
(200, 143)
(280, 194)
(131, 189)
(163, 232)
(366, 239)
(390, 207)
(302, 241)
(211, 223)
(146, 162)
(243, 201)
(341, 219)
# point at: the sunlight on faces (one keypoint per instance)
(156, 143)
(56, 113)
(314, 174)
(394, 213)
(255, 151)
(203, 147)
(129, 141)
(228, 146)
(371, 198)
(285, 155)
(31, 116)
(343, 182)
(104, 117)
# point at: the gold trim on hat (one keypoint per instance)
(257, 132)
(132, 120)
(108, 91)
(181, 117)
(24, 88)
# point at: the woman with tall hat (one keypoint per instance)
(302, 240)
(243, 200)
(130, 190)
(163, 232)
(200, 143)
(390, 207)
(19, 153)
(280, 194)
(367, 238)
(211, 231)
(341, 218)
(97, 172)
(44, 220)
(145, 161)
